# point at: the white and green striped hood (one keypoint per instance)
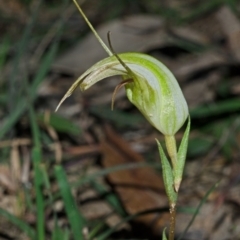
(154, 90)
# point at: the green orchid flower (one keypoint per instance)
(153, 89)
(149, 85)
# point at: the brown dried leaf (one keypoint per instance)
(139, 189)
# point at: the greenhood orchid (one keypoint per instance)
(153, 89)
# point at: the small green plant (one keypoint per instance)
(153, 89)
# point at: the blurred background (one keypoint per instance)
(86, 172)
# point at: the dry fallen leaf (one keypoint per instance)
(139, 189)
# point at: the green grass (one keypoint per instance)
(77, 221)
(22, 225)
(204, 199)
(24, 102)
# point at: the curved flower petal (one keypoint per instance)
(154, 90)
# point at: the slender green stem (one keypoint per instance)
(93, 30)
(172, 152)
(172, 221)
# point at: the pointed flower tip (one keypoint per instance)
(60, 103)
(68, 93)
(58, 106)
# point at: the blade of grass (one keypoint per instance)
(187, 210)
(38, 183)
(203, 8)
(19, 223)
(198, 209)
(60, 234)
(38, 176)
(222, 107)
(28, 198)
(14, 92)
(3, 99)
(37, 159)
(95, 231)
(4, 48)
(109, 197)
(61, 124)
(106, 171)
(21, 105)
(76, 220)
